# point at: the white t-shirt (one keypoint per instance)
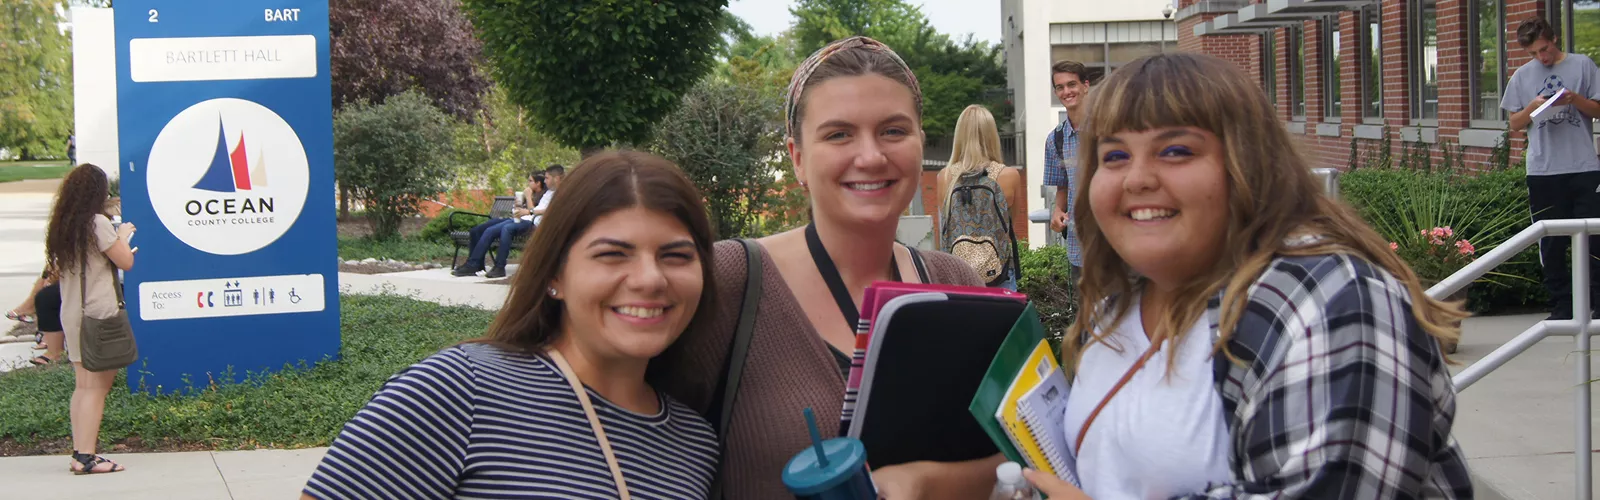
(544, 202)
(1160, 436)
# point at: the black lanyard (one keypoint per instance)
(830, 275)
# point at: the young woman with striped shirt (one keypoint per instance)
(553, 402)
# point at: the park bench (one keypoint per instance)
(500, 210)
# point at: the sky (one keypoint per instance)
(953, 17)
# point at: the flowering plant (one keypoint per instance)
(1434, 254)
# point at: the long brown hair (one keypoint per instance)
(70, 235)
(1272, 196)
(606, 182)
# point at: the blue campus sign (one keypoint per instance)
(226, 138)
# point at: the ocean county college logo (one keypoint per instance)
(227, 176)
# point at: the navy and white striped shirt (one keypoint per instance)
(478, 421)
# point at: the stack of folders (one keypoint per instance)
(1023, 400)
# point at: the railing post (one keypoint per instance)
(1584, 449)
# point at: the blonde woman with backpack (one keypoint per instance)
(979, 198)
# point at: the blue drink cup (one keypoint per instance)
(835, 469)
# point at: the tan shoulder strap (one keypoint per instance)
(594, 421)
(1084, 431)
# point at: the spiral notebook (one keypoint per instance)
(1042, 410)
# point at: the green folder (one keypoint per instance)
(1008, 362)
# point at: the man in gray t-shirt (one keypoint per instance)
(1563, 169)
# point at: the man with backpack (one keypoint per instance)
(1071, 86)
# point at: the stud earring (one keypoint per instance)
(552, 291)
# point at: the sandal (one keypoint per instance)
(20, 318)
(90, 464)
(42, 360)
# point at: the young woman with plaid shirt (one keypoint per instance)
(1243, 335)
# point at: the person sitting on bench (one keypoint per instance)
(506, 230)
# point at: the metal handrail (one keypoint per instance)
(1578, 327)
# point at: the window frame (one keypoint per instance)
(1269, 66)
(1329, 55)
(1296, 52)
(1416, 53)
(1370, 65)
(1475, 61)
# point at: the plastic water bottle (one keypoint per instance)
(1010, 485)
(835, 469)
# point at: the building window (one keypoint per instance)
(1269, 66)
(1371, 62)
(1583, 29)
(1488, 51)
(1423, 19)
(1585, 33)
(1296, 36)
(1104, 47)
(1332, 98)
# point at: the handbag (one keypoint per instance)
(104, 344)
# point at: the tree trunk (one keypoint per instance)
(588, 151)
(344, 203)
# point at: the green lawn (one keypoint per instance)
(20, 170)
(288, 409)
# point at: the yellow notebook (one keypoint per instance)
(1041, 363)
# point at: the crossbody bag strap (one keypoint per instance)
(1084, 431)
(594, 421)
(83, 284)
(919, 264)
(744, 330)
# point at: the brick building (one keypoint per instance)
(1341, 71)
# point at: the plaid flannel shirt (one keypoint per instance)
(1344, 396)
(1061, 170)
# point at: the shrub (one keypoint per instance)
(392, 156)
(438, 230)
(1405, 206)
(1046, 283)
(728, 138)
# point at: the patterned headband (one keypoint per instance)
(797, 84)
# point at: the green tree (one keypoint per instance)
(35, 80)
(728, 138)
(393, 155)
(953, 74)
(500, 148)
(592, 74)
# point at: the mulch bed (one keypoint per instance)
(360, 226)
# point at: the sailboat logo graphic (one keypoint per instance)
(233, 172)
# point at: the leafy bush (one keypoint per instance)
(1485, 209)
(392, 156)
(301, 407)
(1046, 282)
(728, 138)
(438, 230)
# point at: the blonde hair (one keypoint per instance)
(975, 146)
(1272, 196)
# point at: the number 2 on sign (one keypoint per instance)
(153, 16)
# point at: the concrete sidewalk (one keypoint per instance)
(201, 475)
(1516, 424)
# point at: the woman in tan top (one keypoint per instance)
(855, 137)
(83, 245)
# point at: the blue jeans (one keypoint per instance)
(485, 235)
(1010, 284)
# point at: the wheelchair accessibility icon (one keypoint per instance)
(294, 298)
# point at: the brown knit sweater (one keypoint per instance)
(788, 369)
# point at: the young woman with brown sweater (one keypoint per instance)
(855, 136)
